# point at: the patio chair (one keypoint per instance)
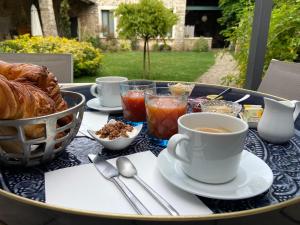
(282, 79)
(61, 65)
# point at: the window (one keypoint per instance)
(107, 23)
(170, 33)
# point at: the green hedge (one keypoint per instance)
(86, 58)
(201, 45)
(283, 38)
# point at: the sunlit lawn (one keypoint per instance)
(180, 66)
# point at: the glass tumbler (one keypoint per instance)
(163, 109)
(133, 100)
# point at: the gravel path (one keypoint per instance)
(224, 65)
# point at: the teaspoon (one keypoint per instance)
(243, 98)
(127, 169)
(223, 93)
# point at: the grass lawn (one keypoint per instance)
(177, 66)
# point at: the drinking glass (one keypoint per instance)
(133, 101)
(163, 109)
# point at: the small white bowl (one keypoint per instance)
(117, 143)
(221, 106)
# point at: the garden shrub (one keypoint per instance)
(283, 38)
(124, 45)
(155, 47)
(110, 44)
(200, 45)
(134, 44)
(97, 42)
(86, 58)
(161, 47)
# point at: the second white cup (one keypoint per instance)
(107, 90)
(209, 146)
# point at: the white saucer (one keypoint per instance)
(95, 104)
(253, 178)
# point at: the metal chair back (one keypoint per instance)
(282, 79)
(61, 65)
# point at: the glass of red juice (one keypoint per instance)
(133, 100)
(163, 109)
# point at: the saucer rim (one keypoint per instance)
(103, 108)
(192, 189)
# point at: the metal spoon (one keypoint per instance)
(127, 169)
(242, 99)
(223, 93)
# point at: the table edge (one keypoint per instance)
(218, 216)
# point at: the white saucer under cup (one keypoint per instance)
(94, 104)
(248, 182)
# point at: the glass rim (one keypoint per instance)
(164, 95)
(144, 83)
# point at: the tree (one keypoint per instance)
(64, 20)
(284, 33)
(232, 11)
(146, 19)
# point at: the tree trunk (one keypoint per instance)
(148, 53)
(144, 59)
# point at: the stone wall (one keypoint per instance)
(48, 18)
(178, 6)
(190, 42)
(87, 16)
(179, 9)
(88, 20)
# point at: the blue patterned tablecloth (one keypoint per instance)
(284, 160)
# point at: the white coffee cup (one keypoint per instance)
(205, 156)
(107, 90)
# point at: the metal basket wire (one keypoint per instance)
(32, 152)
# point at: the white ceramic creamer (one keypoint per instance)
(277, 122)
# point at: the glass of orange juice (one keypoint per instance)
(163, 109)
(133, 100)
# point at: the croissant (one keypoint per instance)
(40, 77)
(22, 100)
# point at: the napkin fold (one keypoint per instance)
(82, 187)
(93, 121)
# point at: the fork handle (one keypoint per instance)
(170, 209)
(133, 200)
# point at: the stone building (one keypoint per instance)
(95, 18)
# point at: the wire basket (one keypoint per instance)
(18, 150)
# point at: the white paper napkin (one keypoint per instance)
(82, 187)
(92, 121)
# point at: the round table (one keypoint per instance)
(22, 191)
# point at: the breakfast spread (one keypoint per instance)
(252, 113)
(180, 88)
(221, 106)
(197, 102)
(114, 129)
(211, 97)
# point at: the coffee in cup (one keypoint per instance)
(213, 130)
(107, 90)
(209, 146)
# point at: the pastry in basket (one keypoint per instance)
(40, 77)
(22, 100)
